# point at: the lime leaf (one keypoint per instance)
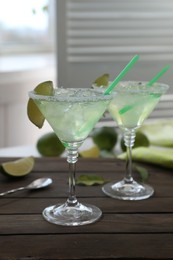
(90, 180)
(102, 80)
(18, 168)
(143, 172)
(45, 8)
(34, 114)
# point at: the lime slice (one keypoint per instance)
(92, 152)
(102, 80)
(18, 168)
(34, 114)
(45, 88)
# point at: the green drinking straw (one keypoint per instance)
(152, 81)
(121, 75)
(149, 84)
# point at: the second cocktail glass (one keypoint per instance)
(131, 106)
(72, 114)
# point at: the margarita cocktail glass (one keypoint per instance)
(130, 107)
(72, 113)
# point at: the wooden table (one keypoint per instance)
(127, 229)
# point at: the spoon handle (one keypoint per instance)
(11, 191)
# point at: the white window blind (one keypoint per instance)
(111, 30)
(101, 36)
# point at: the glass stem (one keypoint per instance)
(72, 157)
(129, 139)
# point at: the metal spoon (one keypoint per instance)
(37, 184)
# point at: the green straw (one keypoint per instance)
(152, 81)
(121, 75)
(149, 84)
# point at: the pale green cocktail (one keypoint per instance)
(131, 106)
(72, 114)
(134, 103)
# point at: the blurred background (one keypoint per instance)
(72, 42)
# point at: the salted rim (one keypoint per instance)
(155, 88)
(54, 98)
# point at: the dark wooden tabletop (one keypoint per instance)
(127, 229)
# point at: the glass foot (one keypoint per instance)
(128, 191)
(77, 215)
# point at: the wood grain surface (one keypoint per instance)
(127, 229)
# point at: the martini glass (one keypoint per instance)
(72, 113)
(130, 107)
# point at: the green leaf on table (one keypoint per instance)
(143, 172)
(90, 179)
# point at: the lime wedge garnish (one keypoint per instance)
(102, 80)
(45, 88)
(34, 114)
(92, 152)
(18, 168)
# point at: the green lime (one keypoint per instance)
(140, 140)
(50, 145)
(18, 168)
(34, 114)
(102, 80)
(105, 137)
